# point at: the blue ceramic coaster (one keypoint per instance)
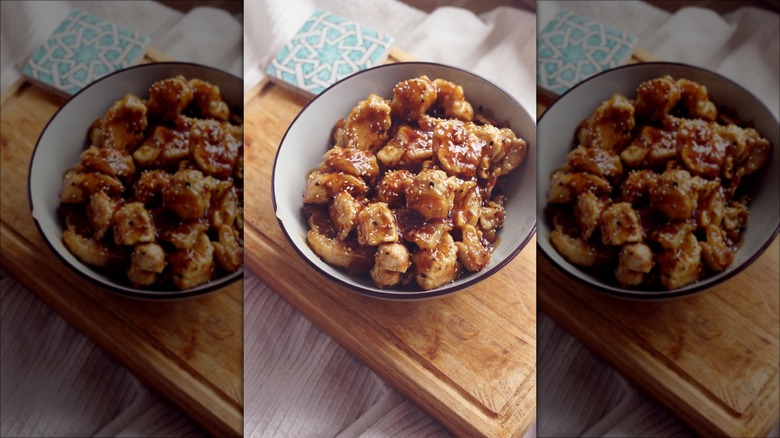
(326, 49)
(572, 48)
(81, 50)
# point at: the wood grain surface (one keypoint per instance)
(467, 359)
(190, 351)
(711, 359)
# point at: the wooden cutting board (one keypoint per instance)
(711, 359)
(469, 359)
(190, 351)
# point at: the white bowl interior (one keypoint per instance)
(65, 137)
(557, 128)
(308, 138)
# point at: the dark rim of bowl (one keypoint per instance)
(644, 295)
(412, 294)
(150, 294)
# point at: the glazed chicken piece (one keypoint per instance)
(596, 161)
(165, 147)
(682, 266)
(227, 250)
(223, 208)
(188, 194)
(711, 206)
(344, 213)
(207, 99)
(652, 147)
(366, 126)
(194, 266)
(676, 194)
(702, 152)
(146, 262)
(611, 124)
(672, 234)
(183, 234)
(123, 125)
(636, 257)
(109, 161)
(587, 212)
(409, 148)
(760, 150)
(736, 215)
(392, 188)
(456, 149)
(696, 101)
(90, 251)
(133, 224)
(168, 98)
(492, 215)
(656, 97)
(472, 254)
(634, 261)
(100, 213)
(620, 225)
(322, 186)
(502, 151)
(393, 257)
(149, 186)
(431, 194)
(214, 149)
(149, 257)
(420, 231)
(140, 278)
(736, 152)
(392, 260)
(438, 266)
(376, 225)
(412, 98)
(636, 186)
(565, 186)
(716, 252)
(385, 278)
(356, 162)
(77, 187)
(739, 142)
(451, 99)
(346, 254)
(467, 205)
(576, 251)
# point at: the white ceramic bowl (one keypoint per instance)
(556, 133)
(64, 138)
(309, 136)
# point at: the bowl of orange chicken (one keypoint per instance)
(408, 181)
(657, 180)
(136, 183)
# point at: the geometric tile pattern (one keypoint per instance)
(572, 48)
(82, 49)
(326, 49)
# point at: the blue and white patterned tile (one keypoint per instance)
(326, 49)
(572, 48)
(82, 49)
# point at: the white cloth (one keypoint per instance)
(53, 380)
(578, 394)
(299, 382)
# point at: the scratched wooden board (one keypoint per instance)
(190, 351)
(711, 359)
(468, 359)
